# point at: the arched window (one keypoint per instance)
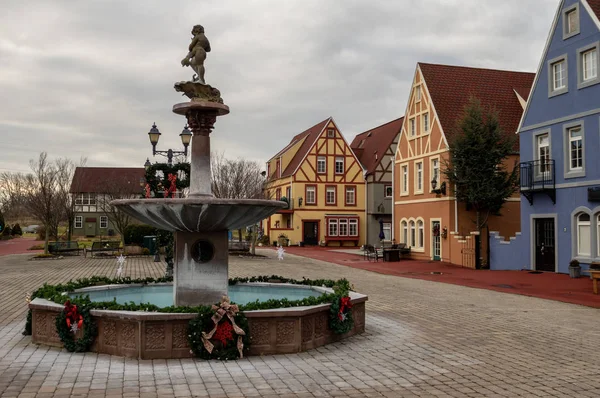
(413, 234)
(421, 234)
(405, 232)
(584, 238)
(598, 235)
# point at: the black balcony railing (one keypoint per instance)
(538, 176)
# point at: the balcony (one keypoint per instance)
(538, 176)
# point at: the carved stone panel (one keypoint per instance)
(260, 333)
(308, 324)
(358, 312)
(321, 325)
(128, 338)
(180, 336)
(285, 332)
(40, 322)
(155, 337)
(110, 333)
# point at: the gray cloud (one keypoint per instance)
(90, 78)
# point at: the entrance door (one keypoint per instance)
(311, 233)
(436, 247)
(544, 244)
(90, 227)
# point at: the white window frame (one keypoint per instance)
(418, 177)
(553, 90)
(434, 171)
(330, 133)
(353, 224)
(565, 13)
(418, 93)
(330, 190)
(582, 224)
(348, 190)
(590, 64)
(420, 234)
(332, 222)
(313, 190)
(339, 160)
(570, 172)
(412, 233)
(103, 222)
(343, 222)
(591, 80)
(597, 235)
(413, 127)
(426, 123)
(404, 227)
(404, 179)
(573, 139)
(391, 190)
(321, 160)
(387, 227)
(78, 223)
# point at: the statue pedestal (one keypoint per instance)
(201, 268)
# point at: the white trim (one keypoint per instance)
(418, 191)
(106, 218)
(80, 222)
(431, 221)
(330, 119)
(408, 202)
(404, 179)
(432, 108)
(422, 247)
(591, 13)
(439, 176)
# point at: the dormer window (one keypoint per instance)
(330, 133)
(558, 76)
(571, 21)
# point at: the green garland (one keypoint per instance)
(158, 185)
(67, 337)
(344, 325)
(203, 323)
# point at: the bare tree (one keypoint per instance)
(66, 170)
(237, 179)
(12, 195)
(116, 190)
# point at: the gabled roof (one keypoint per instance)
(125, 180)
(451, 87)
(309, 136)
(370, 146)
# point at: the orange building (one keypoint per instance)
(322, 181)
(426, 215)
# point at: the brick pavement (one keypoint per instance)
(423, 339)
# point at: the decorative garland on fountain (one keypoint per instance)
(340, 311)
(220, 332)
(69, 321)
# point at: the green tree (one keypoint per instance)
(476, 168)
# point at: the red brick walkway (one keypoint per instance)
(17, 246)
(545, 285)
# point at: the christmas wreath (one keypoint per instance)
(220, 332)
(69, 321)
(156, 185)
(340, 311)
(436, 230)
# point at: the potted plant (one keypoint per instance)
(574, 269)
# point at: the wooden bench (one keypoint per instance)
(64, 247)
(594, 276)
(105, 246)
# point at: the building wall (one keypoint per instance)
(87, 216)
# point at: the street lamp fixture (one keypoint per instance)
(154, 135)
(441, 191)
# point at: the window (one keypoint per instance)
(103, 222)
(413, 127)
(330, 195)
(405, 179)
(288, 194)
(311, 195)
(343, 223)
(404, 225)
(339, 165)
(583, 235)
(420, 234)
(278, 169)
(278, 194)
(425, 122)
(321, 164)
(570, 21)
(353, 227)
(331, 133)
(598, 235)
(350, 195)
(435, 171)
(78, 222)
(85, 199)
(288, 223)
(389, 191)
(590, 65)
(419, 177)
(412, 234)
(575, 148)
(558, 76)
(387, 231)
(418, 93)
(333, 227)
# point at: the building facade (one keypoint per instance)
(559, 137)
(92, 187)
(375, 150)
(426, 215)
(322, 181)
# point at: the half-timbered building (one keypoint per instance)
(427, 216)
(322, 181)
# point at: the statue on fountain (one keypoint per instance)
(197, 89)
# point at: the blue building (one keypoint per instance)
(559, 143)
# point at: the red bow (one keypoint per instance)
(173, 188)
(72, 315)
(345, 304)
(147, 190)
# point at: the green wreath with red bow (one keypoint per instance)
(340, 311)
(69, 322)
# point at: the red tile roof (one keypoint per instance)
(96, 179)
(451, 87)
(371, 145)
(595, 6)
(311, 136)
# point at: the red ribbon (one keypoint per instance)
(72, 315)
(345, 303)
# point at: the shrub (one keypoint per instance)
(134, 234)
(7, 230)
(145, 251)
(41, 233)
(574, 263)
(264, 240)
(16, 230)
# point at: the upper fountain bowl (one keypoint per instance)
(199, 213)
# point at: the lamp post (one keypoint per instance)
(154, 135)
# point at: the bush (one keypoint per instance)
(7, 230)
(134, 234)
(41, 233)
(264, 240)
(145, 251)
(16, 230)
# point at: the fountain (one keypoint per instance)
(201, 223)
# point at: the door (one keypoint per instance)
(436, 248)
(311, 233)
(544, 244)
(90, 227)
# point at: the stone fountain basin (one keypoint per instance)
(196, 214)
(155, 335)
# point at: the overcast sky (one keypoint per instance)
(88, 78)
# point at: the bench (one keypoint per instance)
(64, 247)
(105, 246)
(404, 249)
(594, 276)
(370, 252)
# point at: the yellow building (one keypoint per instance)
(322, 180)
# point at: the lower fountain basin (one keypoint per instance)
(199, 213)
(161, 295)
